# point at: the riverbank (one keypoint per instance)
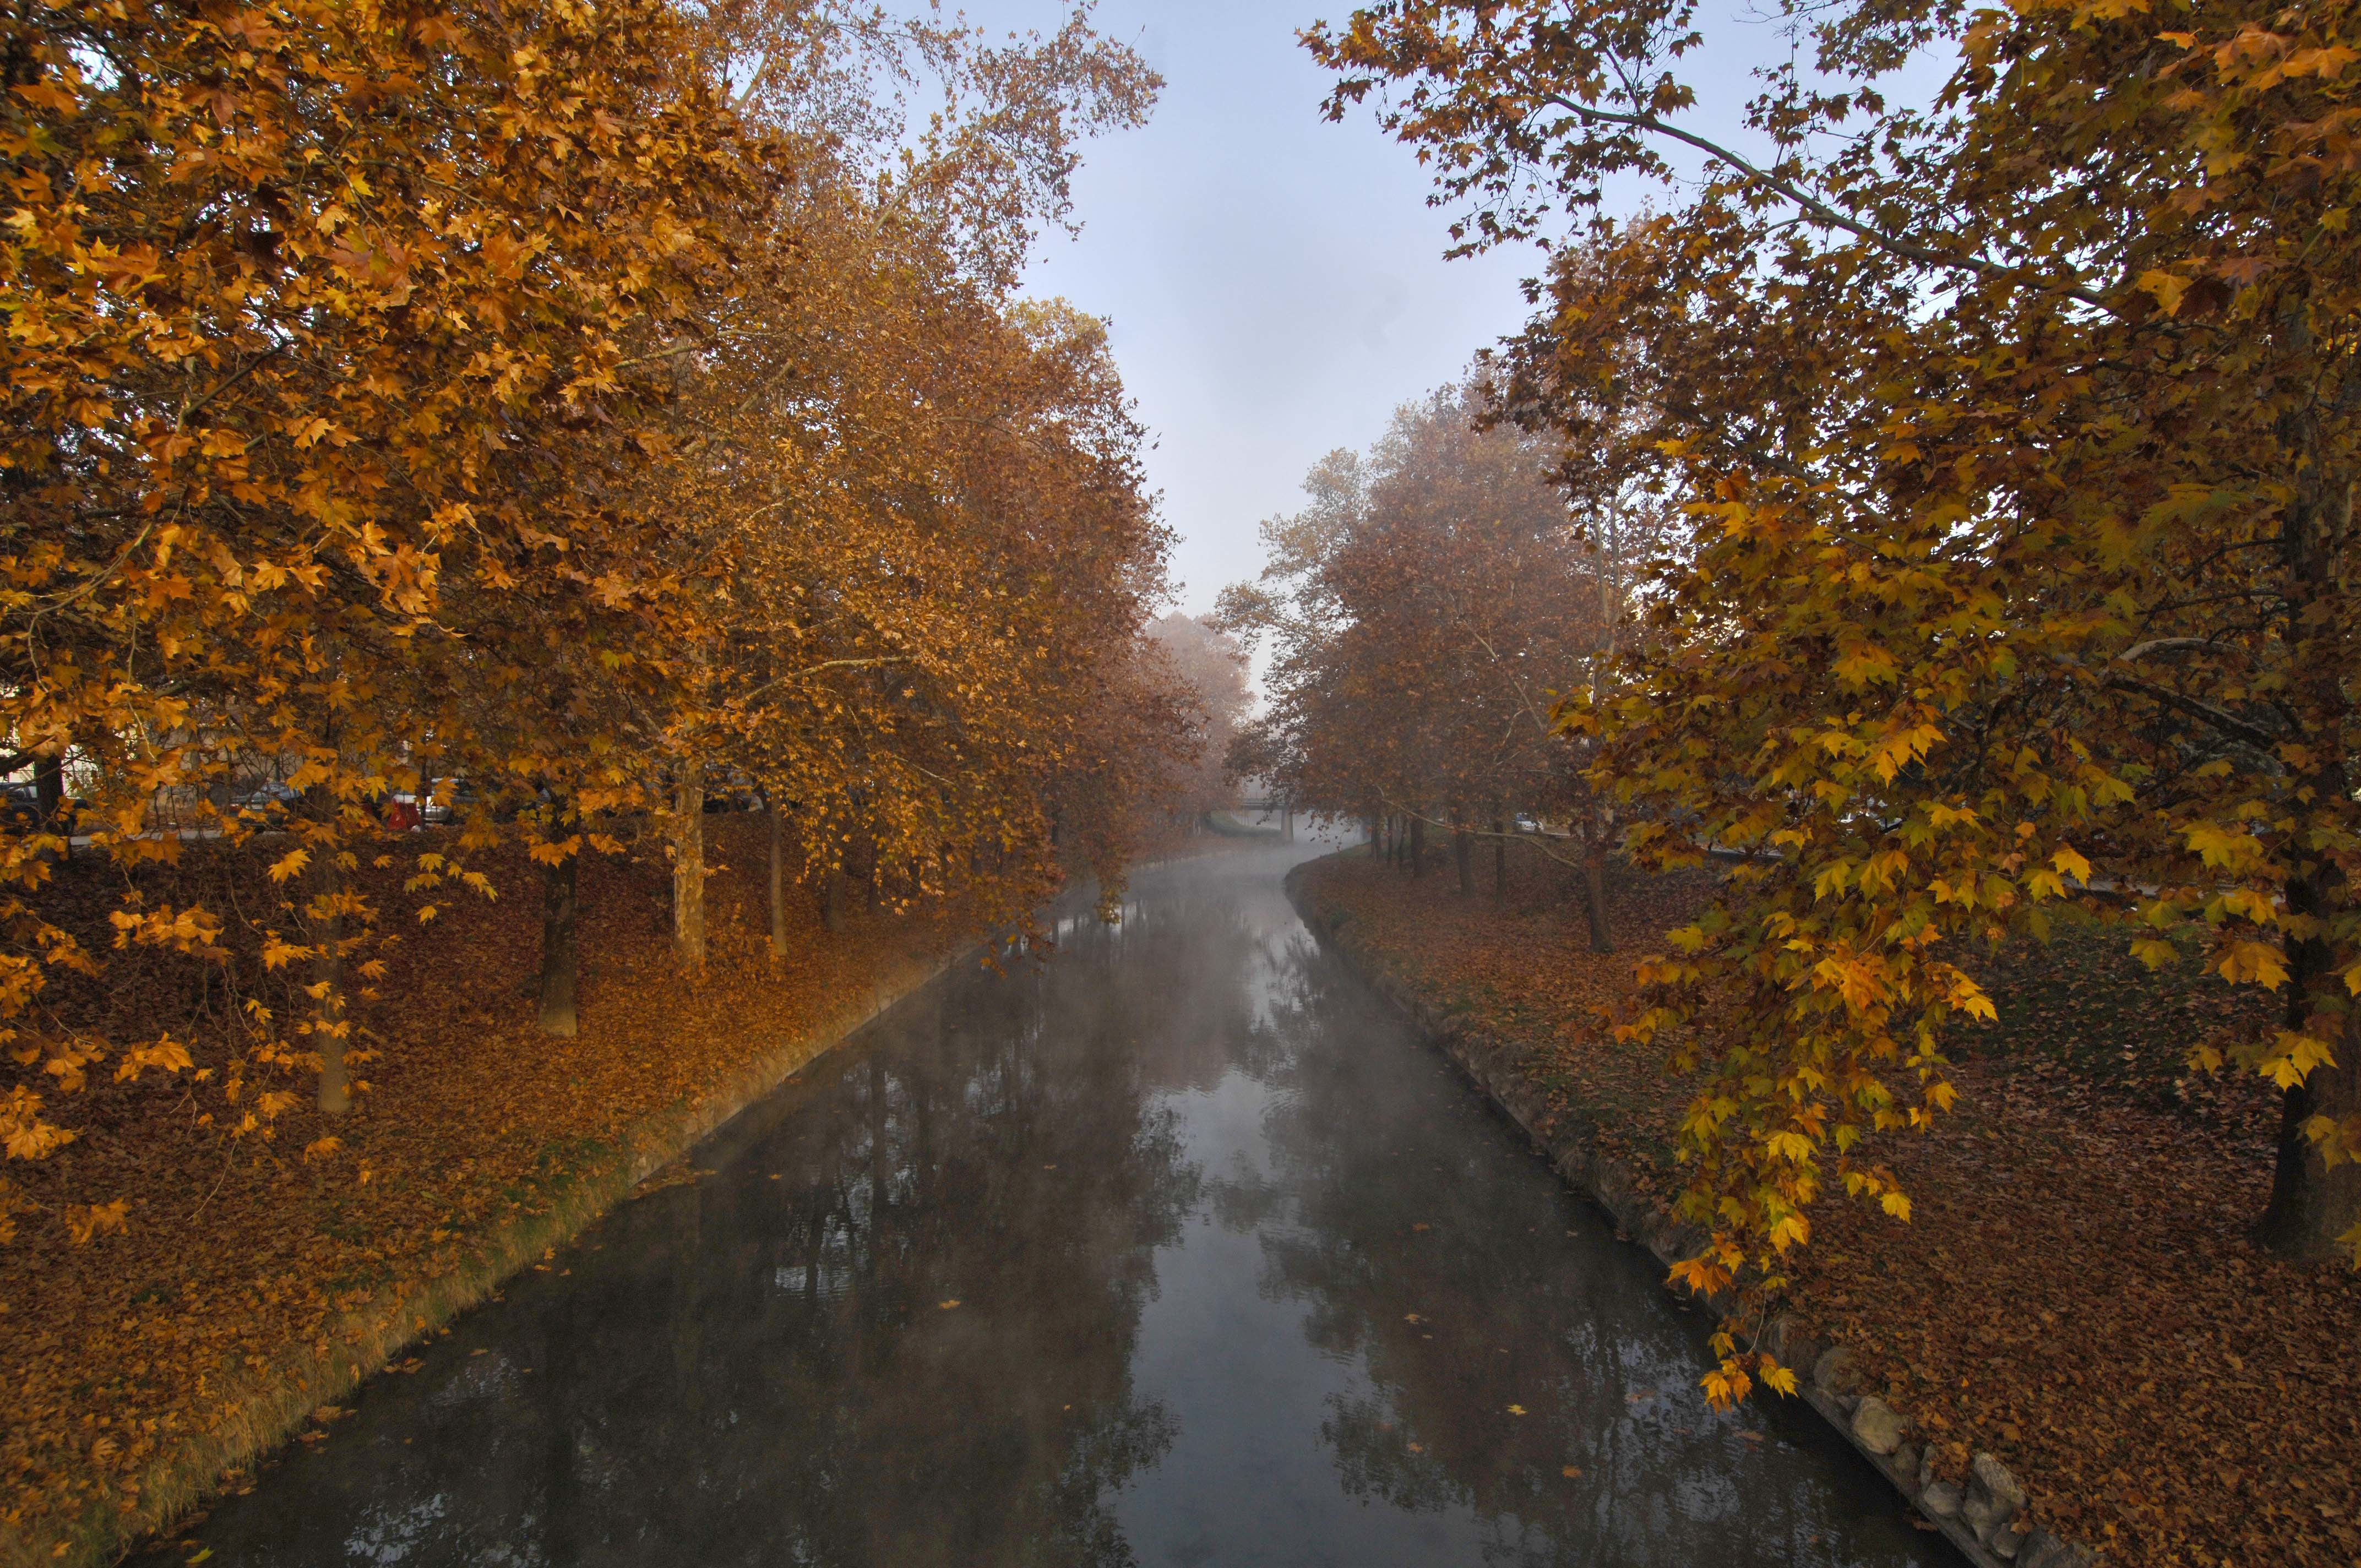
(2074, 1297)
(257, 1283)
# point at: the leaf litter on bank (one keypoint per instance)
(118, 1350)
(2075, 1292)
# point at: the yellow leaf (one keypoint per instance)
(82, 1222)
(2167, 288)
(2219, 846)
(2291, 1059)
(2257, 963)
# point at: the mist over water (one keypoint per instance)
(1177, 1249)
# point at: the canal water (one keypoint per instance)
(1178, 1249)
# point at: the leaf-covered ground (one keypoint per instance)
(113, 1351)
(2075, 1292)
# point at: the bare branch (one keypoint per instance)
(1893, 245)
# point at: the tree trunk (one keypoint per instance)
(561, 956)
(831, 899)
(1594, 847)
(1594, 901)
(2313, 1207)
(323, 933)
(1418, 845)
(689, 867)
(1499, 862)
(778, 885)
(1593, 881)
(49, 796)
(1462, 850)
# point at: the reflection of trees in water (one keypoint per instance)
(1180, 976)
(758, 1371)
(1372, 1143)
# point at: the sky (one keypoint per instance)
(1276, 284)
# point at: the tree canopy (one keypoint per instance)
(2015, 431)
(546, 414)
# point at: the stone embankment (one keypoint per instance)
(1985, 1518)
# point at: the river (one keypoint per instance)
(1178, 1249)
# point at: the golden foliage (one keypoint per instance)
(511, 419)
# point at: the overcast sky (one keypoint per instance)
(1275, 282)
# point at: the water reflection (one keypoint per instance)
(1523, 1367)
(1240, 1275)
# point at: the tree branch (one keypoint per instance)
(2222, 720)
(1819, 209)
(813, 670)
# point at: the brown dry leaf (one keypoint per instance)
(2114, 1350)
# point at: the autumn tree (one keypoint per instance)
(534, 411)
(2017, 429)
(881, 465)
(325, 323)
(1425, 613)
(1211, 669)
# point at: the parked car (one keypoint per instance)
(268, 799)
(20, 807)
(736, 794)
(447, 800)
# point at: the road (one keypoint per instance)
(1177, 1249)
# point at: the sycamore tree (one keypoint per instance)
(921, 534)
(1209, 668)
(553, 410)
(1425, 612)
(2017, 430)
(323, 324)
